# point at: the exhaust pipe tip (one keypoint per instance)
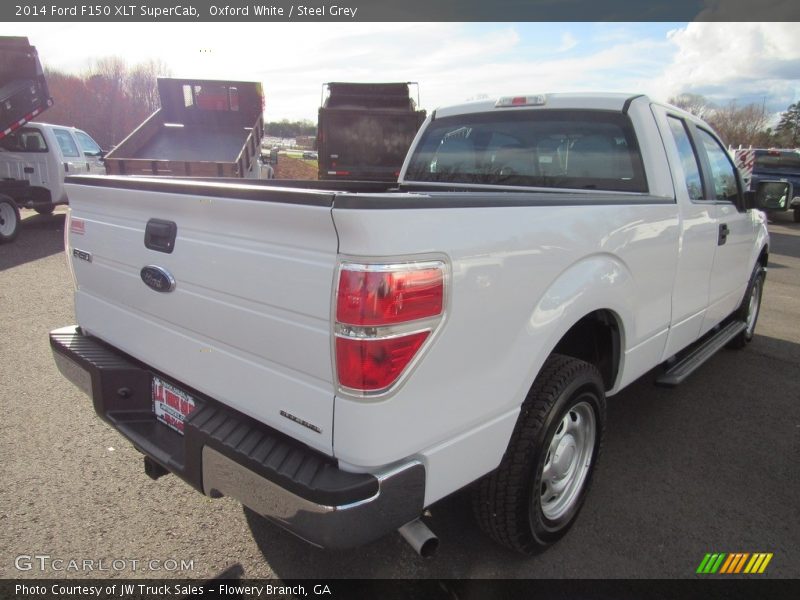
(420, 538)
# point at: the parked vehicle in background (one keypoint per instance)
(43, 154)
(773, 164)
(204, 128)
(23, 96)
(342, 355)
(364, 130)
(91, 150)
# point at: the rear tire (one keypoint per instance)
(797, 214)
(532, 499)
(750, 308)
(44, 210)
(9, 220)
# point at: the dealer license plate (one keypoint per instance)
(171, 405)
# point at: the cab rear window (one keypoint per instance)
(529, 148)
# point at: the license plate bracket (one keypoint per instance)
(171, 405)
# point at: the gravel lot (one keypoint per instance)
(711, 466)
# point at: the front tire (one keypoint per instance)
(750, 308)
(532, 499)
(9, 220)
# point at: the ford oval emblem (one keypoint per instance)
(158, 279)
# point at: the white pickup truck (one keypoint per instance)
(340, 357)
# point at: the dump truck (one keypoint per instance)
(364, 130)
(23, 96)
(204, 128)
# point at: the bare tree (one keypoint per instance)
(745, 126)
(696, 104)
(108, 100)
(142, 84)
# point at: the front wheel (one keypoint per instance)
(532, 499)
(750, 308)
(9, 220)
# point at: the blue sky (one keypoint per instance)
(453, 62)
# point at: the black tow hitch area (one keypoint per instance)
(152, 469)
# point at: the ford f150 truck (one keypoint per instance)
(338, 357)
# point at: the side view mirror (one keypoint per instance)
(770, 196)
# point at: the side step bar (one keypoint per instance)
(678, 372)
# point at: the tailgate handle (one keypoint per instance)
(28, 170)
(160, 235)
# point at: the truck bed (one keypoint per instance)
(194, 144)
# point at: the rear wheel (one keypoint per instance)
(532, 499)
(45, 209)
(9, 219)
(750, 308)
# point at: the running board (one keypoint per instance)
(678, 372)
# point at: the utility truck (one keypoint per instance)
(204, 128)
(338, 356)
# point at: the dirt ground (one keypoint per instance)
(289, 167)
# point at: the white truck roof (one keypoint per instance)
(592, 100)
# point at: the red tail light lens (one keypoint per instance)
(375, 364)
(375, 298)
(384, 315)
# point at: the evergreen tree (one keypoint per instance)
(788, 129)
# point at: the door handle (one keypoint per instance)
(160, 235)
(723, 234)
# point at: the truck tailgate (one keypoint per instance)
(248, 320)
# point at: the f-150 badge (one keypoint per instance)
(158, 279)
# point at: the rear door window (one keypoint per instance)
(689, 162)
(24, 140)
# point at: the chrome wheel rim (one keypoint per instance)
(7, 219)
(752, 309)
(568, 461)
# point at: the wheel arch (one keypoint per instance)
(586, 313)
(596, 338)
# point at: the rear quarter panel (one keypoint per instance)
(520, 277)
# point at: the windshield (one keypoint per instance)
(556, 148)
(787, 160)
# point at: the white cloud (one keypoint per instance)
(725, 61)
(568, 42)
(451, 61)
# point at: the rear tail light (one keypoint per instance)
(385, 313)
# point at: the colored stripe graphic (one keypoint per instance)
(734, 563)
